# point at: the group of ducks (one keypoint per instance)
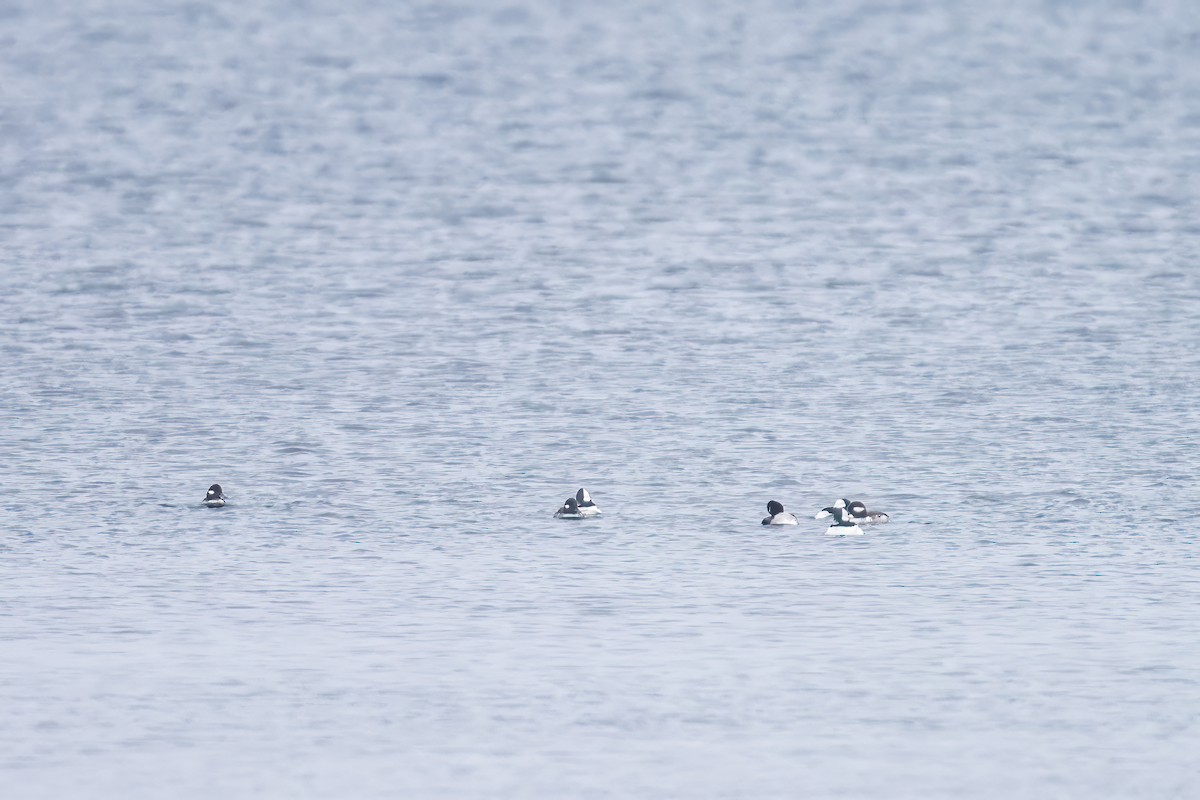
(847, 514)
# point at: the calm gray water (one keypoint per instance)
(403, 277)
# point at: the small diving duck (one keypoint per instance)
(584, 501)
(778, 516)
(569, 510)
(215, 498)
(858, 512)
(842, 524)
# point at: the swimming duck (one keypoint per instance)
(569, 510)
(778, 516)
(858, 513)
(842, 525)
(584, 501)
(215, 498)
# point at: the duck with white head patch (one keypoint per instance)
(569, 510)
(778, 516)
(586, 507)
(859, 513)
(215, 498)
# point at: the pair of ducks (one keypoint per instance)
(578, 507)
(847, 516)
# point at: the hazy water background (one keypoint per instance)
(402, 277)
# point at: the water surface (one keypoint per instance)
(402, 277)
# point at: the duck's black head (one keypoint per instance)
(214, 492)
(774, 507)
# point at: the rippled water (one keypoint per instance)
(402, 277)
